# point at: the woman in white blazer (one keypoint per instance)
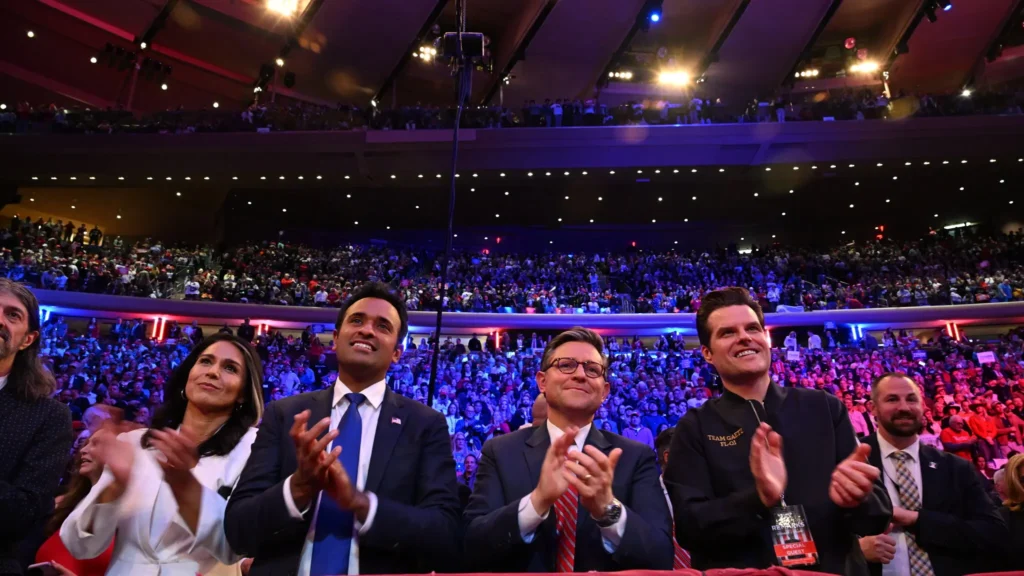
(163, 491)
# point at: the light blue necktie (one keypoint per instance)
(332, 539)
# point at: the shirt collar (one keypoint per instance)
(581, 437)
(885, 448)
(3, 381)
(374, 394)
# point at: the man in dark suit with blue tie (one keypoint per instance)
(563, 496)
(944, 522)
(370, 487)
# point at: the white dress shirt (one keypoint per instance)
(530, 519)
(152, 537)
(369, 412)
(900, 564)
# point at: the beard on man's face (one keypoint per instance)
(903, 424)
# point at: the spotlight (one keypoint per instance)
(673, 78)
(163, 86)
(279, 62)
(655, 16)
(865, 67)
(93, 60)
(216, 104)
(966, 93)
(3, 106)
(31, 34)
(143, 45)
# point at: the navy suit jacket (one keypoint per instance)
(510, 468)
(412, 472)
(958, 525)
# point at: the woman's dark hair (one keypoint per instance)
(722, 299)
(78, 489)
(382, 291)
(172, 411)
(28, 379)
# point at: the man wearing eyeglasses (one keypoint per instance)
(564, 496)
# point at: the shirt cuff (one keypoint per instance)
(363, 528)
(529, 519)
(611, 536)
(289, 502)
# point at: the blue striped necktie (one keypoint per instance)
(332, 539)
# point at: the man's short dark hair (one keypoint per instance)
(576, 334)
(721, 299)
(878, 381)
(662, 443)
(382, 291)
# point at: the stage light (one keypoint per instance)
(963, 161)
(417, 207)
(529, 173)
(163, 86)
(674, 171)
(791, 191)
(673, 78)
(393, 176)
(188, 178)
(851, 205)
(756, 194)
(773, 235)
(263, 177)
(694, 171)
(566, 197)
(1002, 181)
(945, 161)
(591, 220)
(655, 16)
(993, 160)
(721, 169)
(865, 67)
(118, 216)
(250, 203)
(796, 167)
(92, 177)
(31, 34)
(279, 62)
(654, 220)
(783, 213)
(35, 177)
(73, 207)
(946, 5)
(966, 93)
(547, 173)
(346, 177)
(895, 177)
(659, 198)
(600, 198)
(767, 169)
(639, 171)
(585, 172)
(3, 106)
(348, 195)
(438, 175)
(74, 178)
(93, 60)
(474, 190)
(168, 178)
(143, 45)
(566, 173)
(284, 209)
(612, 172)
(216, 104)
(694, 198)
(559, 219)
(503, 174)
(283, 7)
(497, 215)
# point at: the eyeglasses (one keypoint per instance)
(569, 365)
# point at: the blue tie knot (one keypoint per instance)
(355, 398)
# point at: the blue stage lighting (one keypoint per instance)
(655, 16)
(948, 8)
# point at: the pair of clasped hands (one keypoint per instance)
(591, 472)
(318, 469)
(852, 480)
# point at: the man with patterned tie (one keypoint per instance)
(564, 496)
(943, 521)
(370, 486)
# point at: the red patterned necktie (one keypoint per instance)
(565, 523)
(681, 560)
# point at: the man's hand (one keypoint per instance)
(767, 465)
(903, 517)
(853, 479)
(312, 463)
(879, 549)
(340, 487)
(553, 482)
(592, 473)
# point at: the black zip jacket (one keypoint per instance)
(719, 517)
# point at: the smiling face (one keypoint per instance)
(738, 346)
(368, 337)
(216, 381)
(574, 393)
(898, 406)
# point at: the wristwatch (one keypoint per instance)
(612, 513)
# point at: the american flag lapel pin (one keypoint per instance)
(933, 465)
(396, 420)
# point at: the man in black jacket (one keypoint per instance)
(726, 472)
(36, 429)
(944, 521)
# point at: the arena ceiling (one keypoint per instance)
(352, 51)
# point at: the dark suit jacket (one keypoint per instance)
(412, 472)
(510, 468)
(958, 525)
(35, 444)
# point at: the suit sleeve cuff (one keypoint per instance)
(363, 528)
(289, 502)
(529, 519)
(611, 536)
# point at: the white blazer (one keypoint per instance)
(152, 537)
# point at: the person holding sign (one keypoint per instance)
(766, 475)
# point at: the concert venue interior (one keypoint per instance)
(174, 167)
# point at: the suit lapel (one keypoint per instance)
(536, 448)
(930, 476)
(322, 402)
(389, 428)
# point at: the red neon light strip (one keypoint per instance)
(956, 330)
(163, 325)
(110, 28)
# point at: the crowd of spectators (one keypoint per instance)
(486, 388)
(936, 270)
(59, 256)
(697, 108)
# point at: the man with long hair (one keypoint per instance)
(35, 430)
